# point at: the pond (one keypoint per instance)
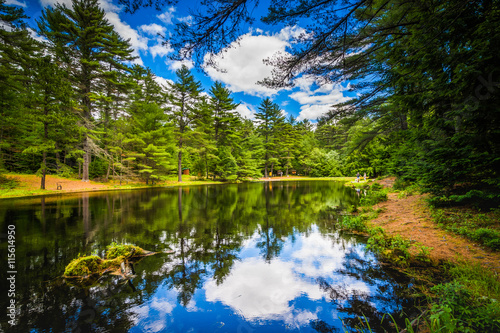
(253, 257)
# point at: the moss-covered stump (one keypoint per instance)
(116, 254)
(83, 266)
(114, 251)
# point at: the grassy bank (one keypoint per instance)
(22, 185)
(459, 296)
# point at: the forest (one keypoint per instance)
(426, 109)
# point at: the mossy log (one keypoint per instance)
(116, 254)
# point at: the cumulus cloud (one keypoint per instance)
(246, 111)
(16, 3)
(242, 63)
(153, 29)
(163, 81)
(167, 16)
(138, 42)
(174, 65)
(258, 290)
(316, 100)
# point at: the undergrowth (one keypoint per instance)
(476, 226)
(460, 297)
(8, 183)
(469, 302)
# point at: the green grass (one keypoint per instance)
(469, 302)
(474, 225)
(460, 297)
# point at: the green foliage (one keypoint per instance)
(373, 197)
(350, 222)
(8, 182)
(324, 163)
(376, 187)
(457, 309)
(115, 250)
(479, 227)
(97, 168)
(394, 248)
(83, 266)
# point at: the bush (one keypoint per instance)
(459, 310)
(488, 237)
(373, 198)
(352, 223)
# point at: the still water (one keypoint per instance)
(257, 257)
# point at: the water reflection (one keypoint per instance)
(246, 257)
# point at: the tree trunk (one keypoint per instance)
(58, 157)
(179, 162)
(44, 171)
(86, 159)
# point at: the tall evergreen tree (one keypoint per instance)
(184, 97)
(50, 110)
(270, 117)
(225, 123)
(82, 36)
(17, 50)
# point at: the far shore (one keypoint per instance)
(29, 185)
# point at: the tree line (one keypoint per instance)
(426, 107)
(426, 74)
(75, 104)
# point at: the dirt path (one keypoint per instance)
(410, 218)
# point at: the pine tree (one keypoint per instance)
(289, 143)
(83, 37)
(150, 143)
(184, 98)
(17, 50)
(225, 122)
(270, 119)
(50, 112)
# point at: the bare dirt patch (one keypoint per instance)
(410, 218)
(32, 183)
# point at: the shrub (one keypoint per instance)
(373, 198)
(459, 310)
(352, 223)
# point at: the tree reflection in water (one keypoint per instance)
(256, 256)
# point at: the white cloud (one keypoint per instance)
(167, 16)
(16, 3)
(159, 50)
(162, 81)
(186, 19)
(316, 100)
(153, 29)
(174, 65)
(138, 42)
(242, 63)
(258, 290)
(245, 111)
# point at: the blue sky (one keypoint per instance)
(242, 63)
